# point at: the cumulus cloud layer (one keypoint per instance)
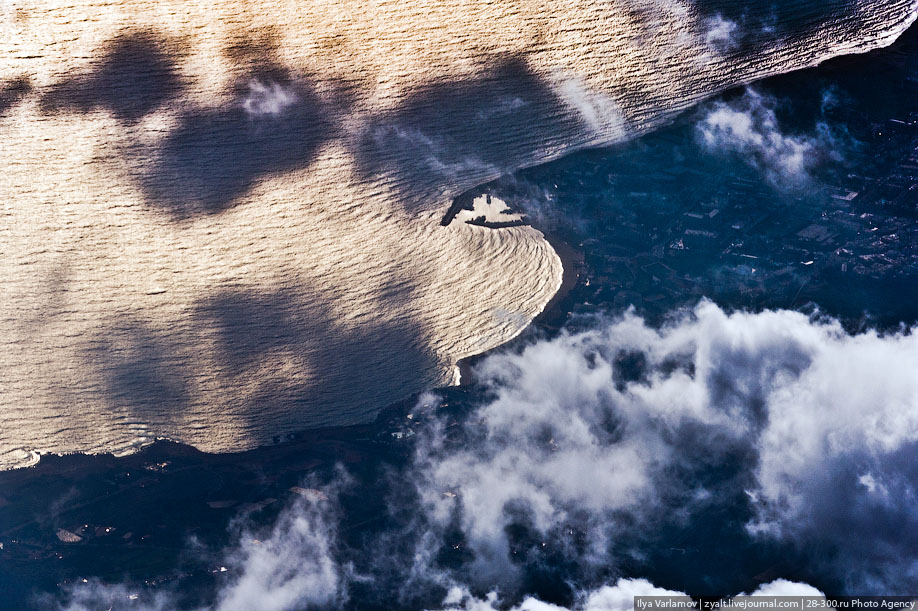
(292, 567)
(604, 435)
(601, 432)
(617, 597)
(749, 127)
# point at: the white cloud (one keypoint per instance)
(783, 587)
(748, 126)
(598, 111)
(268, 99)
(460, 599)
(292, 568)
(856, 403)
(568, 439)
(617, 597)
(505, 107)
(620, 597)
(721, 33)
(594, 436)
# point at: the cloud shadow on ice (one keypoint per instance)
(274, 122)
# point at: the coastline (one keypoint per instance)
(554, 312)
(150, 299)
(552, 317)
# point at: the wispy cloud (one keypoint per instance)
(591, 442)
(601, 429)
(617, 597)
(289, 566)
(268, 98)
(290, 569)
(598, 111)
(748, 126)
(720, 33)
